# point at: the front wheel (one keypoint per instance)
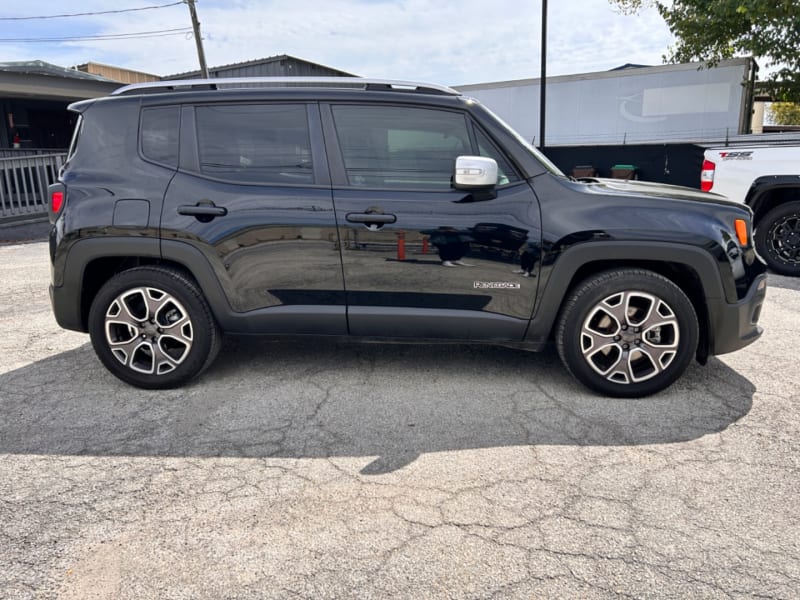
(627, 333)
(152, 328)
(777, 238)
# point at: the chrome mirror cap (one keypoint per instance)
(475, 172)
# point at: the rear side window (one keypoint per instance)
(160, 134)
(400, 147)
(255, 144)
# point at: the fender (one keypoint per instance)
(66, 293)
(757, 195)
(567, 265)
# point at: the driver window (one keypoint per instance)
(400, 146)
(505, 172)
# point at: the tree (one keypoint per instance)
(785, 113)
(714, 30)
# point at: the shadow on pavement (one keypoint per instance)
(299, 398)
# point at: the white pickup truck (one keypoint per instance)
(767, 179)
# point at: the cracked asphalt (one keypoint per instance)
(320, 469)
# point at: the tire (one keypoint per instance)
(777, 238)
(152, 328)
(627, 333)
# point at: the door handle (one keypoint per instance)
(370, 218)
(204, 211)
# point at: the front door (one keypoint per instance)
(421, 259)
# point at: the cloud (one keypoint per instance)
(451, 42)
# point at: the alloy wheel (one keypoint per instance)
(148, 330)
(630, 337)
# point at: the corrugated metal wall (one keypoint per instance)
(285, 67)
(274, 66)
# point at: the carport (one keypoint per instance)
(34, 96)
(37, 127)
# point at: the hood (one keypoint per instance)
(647, 189)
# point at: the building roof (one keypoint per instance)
(88, 67)
(39, 67)
(254, 62)
(629, 66)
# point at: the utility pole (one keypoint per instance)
(543, 77)
(201, 55)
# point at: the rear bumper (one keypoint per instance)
(734, 326)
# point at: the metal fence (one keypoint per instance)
(24, 181)
(18, 152)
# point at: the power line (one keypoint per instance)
(111, 36)
(91, 14)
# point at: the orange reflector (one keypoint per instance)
(741, 231)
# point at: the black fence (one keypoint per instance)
(677, 164)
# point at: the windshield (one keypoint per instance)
(531, 148)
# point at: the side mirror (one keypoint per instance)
(475, 172)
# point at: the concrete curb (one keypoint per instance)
(26, 228)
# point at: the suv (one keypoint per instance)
(378, 209)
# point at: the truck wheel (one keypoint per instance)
(152, 328)
(627, 332)
(777, 238)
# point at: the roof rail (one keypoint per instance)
(176, 85)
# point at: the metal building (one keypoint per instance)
(282, 65)
(117, 73)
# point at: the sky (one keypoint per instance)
(450, 42)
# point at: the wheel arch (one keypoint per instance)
(92, 262)
(693, 270)
(99, 270)
(770, 191)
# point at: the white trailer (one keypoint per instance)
(667, 103)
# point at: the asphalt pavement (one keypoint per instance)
(301, 468)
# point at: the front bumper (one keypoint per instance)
(734, 326)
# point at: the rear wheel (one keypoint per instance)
(777, 238)
(152, 328)
(627, 332)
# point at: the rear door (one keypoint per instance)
(253, 196)
(420, 258)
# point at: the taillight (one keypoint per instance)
(707, 176)
(57, 193)
(56, 200)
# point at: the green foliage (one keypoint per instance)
(714, 30)
(785, 113)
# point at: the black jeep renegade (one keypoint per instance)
(376, 209)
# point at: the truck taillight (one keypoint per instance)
(707, 176)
